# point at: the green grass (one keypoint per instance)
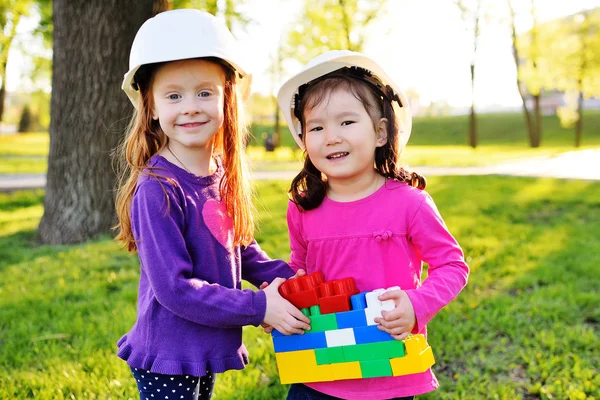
(25, 144)
(526, 326)
(439, 141)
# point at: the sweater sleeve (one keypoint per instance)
(448, 272)
(158, 222)
(297, 242)
(257, 267)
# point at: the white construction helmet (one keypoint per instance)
(332, 61)
(179, 35)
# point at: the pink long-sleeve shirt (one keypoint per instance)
(381, 241)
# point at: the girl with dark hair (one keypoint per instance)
(355, 212)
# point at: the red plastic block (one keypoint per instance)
(335, 295)
(302, 292)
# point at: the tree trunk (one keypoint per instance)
(2, 96)
(537, 135)
(520, 87)
(277, 129)
(579, 124)
(89, 113)
(473, 117)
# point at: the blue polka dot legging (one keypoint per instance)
(173, 387)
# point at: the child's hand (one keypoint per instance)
(281, 314)
(401, 320)
(299, 273)
(266, 327)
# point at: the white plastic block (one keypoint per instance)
(375, 307)
(340, 337)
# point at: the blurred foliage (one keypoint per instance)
(329, 25)
(565, 51)
(228, 9)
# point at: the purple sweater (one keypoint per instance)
(191, 307)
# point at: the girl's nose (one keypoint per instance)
(192, 106)
(332, 136)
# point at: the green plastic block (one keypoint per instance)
(315, 310)
(329, 355)
(321, 323)
(375, 368)
(374, 351)
(305, 311)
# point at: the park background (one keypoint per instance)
(489, 82)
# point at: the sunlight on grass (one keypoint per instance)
(25, 144)
(526, 326)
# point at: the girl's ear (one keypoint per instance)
(382, 133)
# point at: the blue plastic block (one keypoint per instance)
(306, 341)
(370, 334)
(358, 301)
(351, 319)
(276, 333)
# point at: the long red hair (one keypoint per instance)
(145, 138)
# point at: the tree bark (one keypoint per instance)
(579, 123)
(2, 97)
(473, 115)
(537, 111)
(520, 85)
(89, 114)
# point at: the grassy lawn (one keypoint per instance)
(439, 141)
(526, 326)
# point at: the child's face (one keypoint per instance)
(188, 102)
(340, 138)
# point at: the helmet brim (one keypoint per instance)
(286, 93)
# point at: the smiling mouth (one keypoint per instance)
(335, 156)
(192, 124)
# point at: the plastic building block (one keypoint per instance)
(306, 341)
(340, 337)
(370, 334)
(375, 368)
(344, 342)
(358, 301)
(351, 319)
(335, 295)
(301, 366)
(302, 292)
(375, 307)
(374, 351)
(322, 323)
(330, 355)
(419, 357)
(348, 370)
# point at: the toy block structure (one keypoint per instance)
(344, 341)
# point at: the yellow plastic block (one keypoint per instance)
(301, 366)
(419, 357)
(347, 370)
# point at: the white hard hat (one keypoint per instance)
(332, 61)
(179, 35)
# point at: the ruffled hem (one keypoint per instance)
(158, 365)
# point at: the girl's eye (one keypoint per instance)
(174, 96)
(345, 123)
(204, 94)
(316, 129)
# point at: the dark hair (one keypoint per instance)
(309, 187)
